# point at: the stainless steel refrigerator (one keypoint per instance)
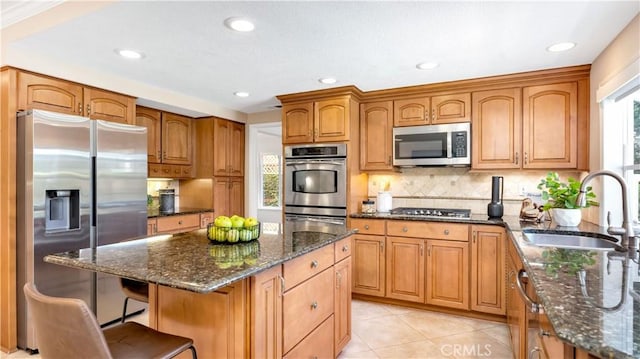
(81, 183)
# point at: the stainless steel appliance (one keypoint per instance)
(81, 184)
(316, 180)
(432, 145)
(433, 212)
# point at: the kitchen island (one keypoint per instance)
(229, 297)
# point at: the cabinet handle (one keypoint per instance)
(338, 279)
(80, 108)
(433, 115)
(426, 115)
(315, 133)
(366, 226)
(405, 229)
(535, 307)
(446, 232)
(516, 157)
(533, 351)
(314, 305)
(180, 222)
(345, 248)
(88, 109)
(314, 264)
(526, 158)
(381, 246)
(421, 250)
(281, 285)
(474, 236)
(159, 155)
(429, 250)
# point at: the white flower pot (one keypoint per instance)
(566, 217)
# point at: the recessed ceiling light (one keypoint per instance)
(129, 54)
(327, 80)
(561, 46)
(241, 94)
(427, 65)
(239, 24)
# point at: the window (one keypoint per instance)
(271, 173)
(630, 111)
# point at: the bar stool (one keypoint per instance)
(133, 289)
(66, 328)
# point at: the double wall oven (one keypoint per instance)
(316, 183)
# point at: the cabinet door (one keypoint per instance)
(331, 120)
(297, 123)
(448, 274)
(152, 226)
(151, 119)
(451, 108)
(368, 265)
(487, 269)
(550, 126)
(342, 304)
(236, 196)
(176, 139)
(109, 106)
(515, 312)
(411, 112)
(235, 156)
(405, 269)
(376, 136)
(221, 196)
(266, 314)
(39, 92)
(496, 124)
(221, 144)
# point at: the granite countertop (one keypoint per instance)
(601, 316)
(190, 261)
(155, 212)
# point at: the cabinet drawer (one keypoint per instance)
(300, 269)
(175, 224)
(368, 226)
(306, 306)
(319, 344)
(342, 249)
(434, 230)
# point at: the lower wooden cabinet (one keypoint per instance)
(152, 226)
(228, 196)
(266, 314)
(487, 269)
(448, 274)
(178, 223)
(342, 304)
(317, 344)
(405, 269)
(369, 265)
(205, 219)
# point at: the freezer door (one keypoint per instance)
(53, 207)
(121, 200)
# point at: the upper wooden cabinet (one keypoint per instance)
(432, 110)
(228, 152)
(534, 127)
(47, 93)
(152, 120)
(376, 135)
(176, 139)
(325, 120)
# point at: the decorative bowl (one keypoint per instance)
(232, 235)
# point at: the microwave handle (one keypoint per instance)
(304, 162)
(449, 149)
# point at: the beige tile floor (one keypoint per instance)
(387, 331)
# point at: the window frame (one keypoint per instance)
(261, 205)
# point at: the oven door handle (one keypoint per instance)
(304, 162)
(311, 219)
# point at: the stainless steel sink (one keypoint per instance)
(571, 240)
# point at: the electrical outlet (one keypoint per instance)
(522, 189)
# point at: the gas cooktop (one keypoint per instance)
(432, 212)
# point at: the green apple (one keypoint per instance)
(237, 222)
(221, 234)
(222, 221)
(250, 222)
(233, 235)
(245, 235)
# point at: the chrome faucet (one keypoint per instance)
(626, 231)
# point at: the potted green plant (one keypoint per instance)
(561, 198)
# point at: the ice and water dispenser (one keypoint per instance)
(62, 210)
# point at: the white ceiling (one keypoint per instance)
(373, 45)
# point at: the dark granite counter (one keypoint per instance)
(599, 314)
(155, 212)
(190, 261)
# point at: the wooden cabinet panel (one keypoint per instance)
(342, 304)
(152, 226)
(304, 267)
(220, 147)
(205, 219)
(236, 196)
(215, 321)
(515, 307)
(376, 136)
(487, 269)
(297, 123)
(550, 126)
(317, 345)
(312, 300)
(235, 158)
(432, 230)
(448, 274)
(411, 112)
(342, 249)
(497, 128)
(109, 106)
(40, 92)
(221, 144)
(152, 120)
(331, 120)
(179, 223)
(405, 269)
(369, 265)
(266, 314)
(176, 139)
(369, 226)
(451, 108)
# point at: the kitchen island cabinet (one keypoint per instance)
(231, 299)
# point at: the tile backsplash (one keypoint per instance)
(154, 185)
(450, 187)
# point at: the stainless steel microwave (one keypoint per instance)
(432, 145)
